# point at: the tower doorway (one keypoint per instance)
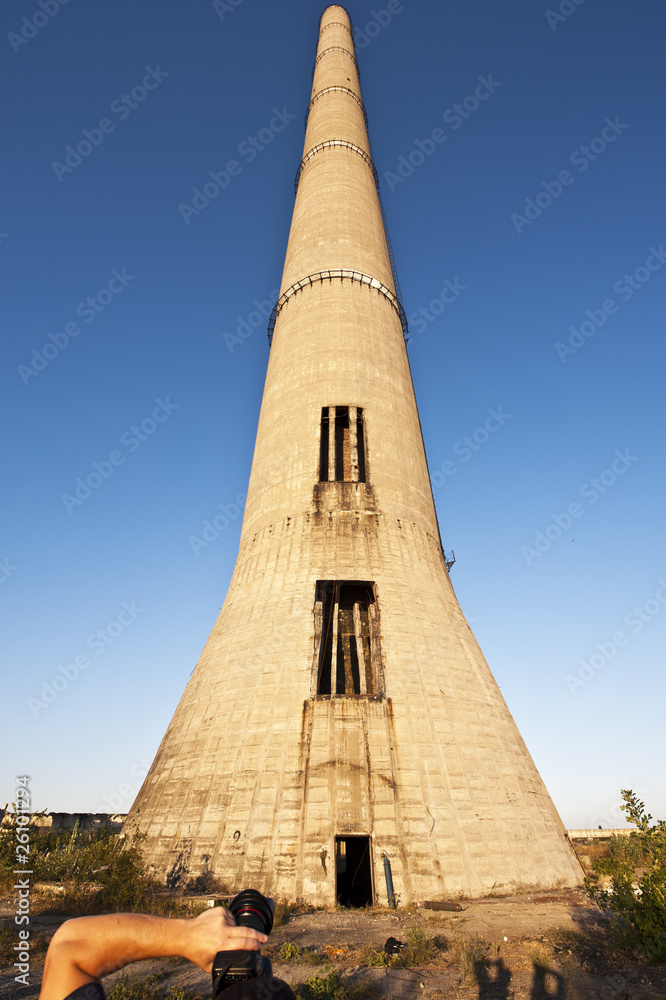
(353, 871)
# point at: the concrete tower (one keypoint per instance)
(341, 707)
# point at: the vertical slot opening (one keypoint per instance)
(323, 446)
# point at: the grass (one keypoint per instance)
(333, 986)
(100, 871)
(131, 987)
(91, 872)
(595, 950)
(283, 911)
(312, 957)
(420, 949)
(538, 953)
(468, 953)
(9, 937)
(81, 901)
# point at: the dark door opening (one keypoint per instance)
(353, 871)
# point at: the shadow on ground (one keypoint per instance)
(494, 977)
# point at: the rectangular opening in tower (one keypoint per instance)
(342, 452)
(342, 445)
(346, 637)
(353, 871)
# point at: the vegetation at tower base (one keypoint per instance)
(631, 881)
(88, 872)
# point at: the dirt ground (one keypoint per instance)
(525, 957)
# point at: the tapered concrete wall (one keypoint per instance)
(256, 774)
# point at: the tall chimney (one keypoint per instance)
(342, 709)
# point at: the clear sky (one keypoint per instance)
(520, 152)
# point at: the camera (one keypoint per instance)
(249, 909)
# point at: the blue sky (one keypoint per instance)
(529, 235)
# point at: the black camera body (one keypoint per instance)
(249, 909)
(232, 967)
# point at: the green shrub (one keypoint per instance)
(637, 892)
(631, 849)
(374, 957)
(288, 952)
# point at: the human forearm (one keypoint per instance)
(100, 945)
(88, 948)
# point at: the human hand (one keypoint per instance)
(215, 930)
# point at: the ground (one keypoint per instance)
(540, 946)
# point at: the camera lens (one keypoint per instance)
(251, 909)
